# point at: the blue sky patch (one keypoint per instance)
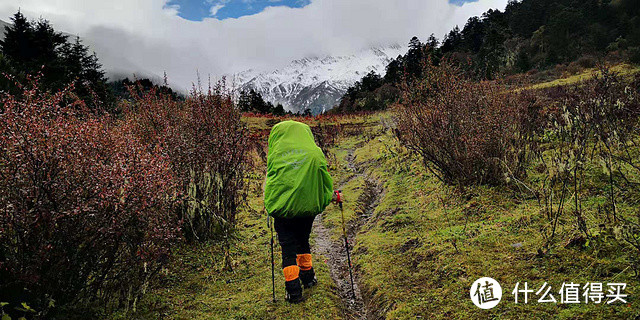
(197, 10)
(461, 2)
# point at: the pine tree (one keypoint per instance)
(394, 71)
(452, 40)
(278, 110)
(16, 45)
(32, 48)
(252, 101)
(370, 82)
(432, 42)
(244, 101)
(414, 58)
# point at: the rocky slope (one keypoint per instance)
(316, 83)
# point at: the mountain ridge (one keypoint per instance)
(316, 83)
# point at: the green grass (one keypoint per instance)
(418, 255)
(195, 287)
(622, 69)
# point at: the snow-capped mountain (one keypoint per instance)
(316, 83)
(2, 26)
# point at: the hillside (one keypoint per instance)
(545, 39)
(418, 245)
(2, 26)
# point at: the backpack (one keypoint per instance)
(298, 183)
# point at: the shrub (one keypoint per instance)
(587, 62)
(207, 145)
(84, 211)
(326, 136)
(593, 124)
(634, 55)
(466, 132)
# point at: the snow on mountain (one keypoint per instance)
(2, 26)
(316, 83)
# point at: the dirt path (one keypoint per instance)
(336, 255)
(334, 252)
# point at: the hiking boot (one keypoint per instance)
(294, 291)
(308, 278)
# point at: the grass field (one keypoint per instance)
(419, 245)
(425, 244)
(196, 287)
(622, 69)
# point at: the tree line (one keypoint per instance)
(252, 101)
(34, 51)
(528, 35)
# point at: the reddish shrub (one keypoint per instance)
(466, 132)
(207, 145)
(326, 136)
(83, 205)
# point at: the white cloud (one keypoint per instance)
(150, 37)
(214, 10)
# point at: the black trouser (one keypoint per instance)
(293, 235)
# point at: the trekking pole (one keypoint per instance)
(273, 272)
(346, 243)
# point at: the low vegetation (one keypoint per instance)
(91, 206)
(85, 208)
(467, 132)
(426, 243)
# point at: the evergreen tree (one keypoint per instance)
(452, 40)
(394, 71)
(370, 82)
(252, 101)
(244, 101)
(433, 49)
(414, 58)
(17, 41)
(432, 42)
(279, 110)
(472, 35)
(32, 48)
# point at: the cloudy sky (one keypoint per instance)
(217, 37)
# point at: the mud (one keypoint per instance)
(336, 256)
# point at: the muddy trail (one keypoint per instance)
(335, 253)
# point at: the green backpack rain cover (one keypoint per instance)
(298, 184)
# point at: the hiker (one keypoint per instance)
(298, 187)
